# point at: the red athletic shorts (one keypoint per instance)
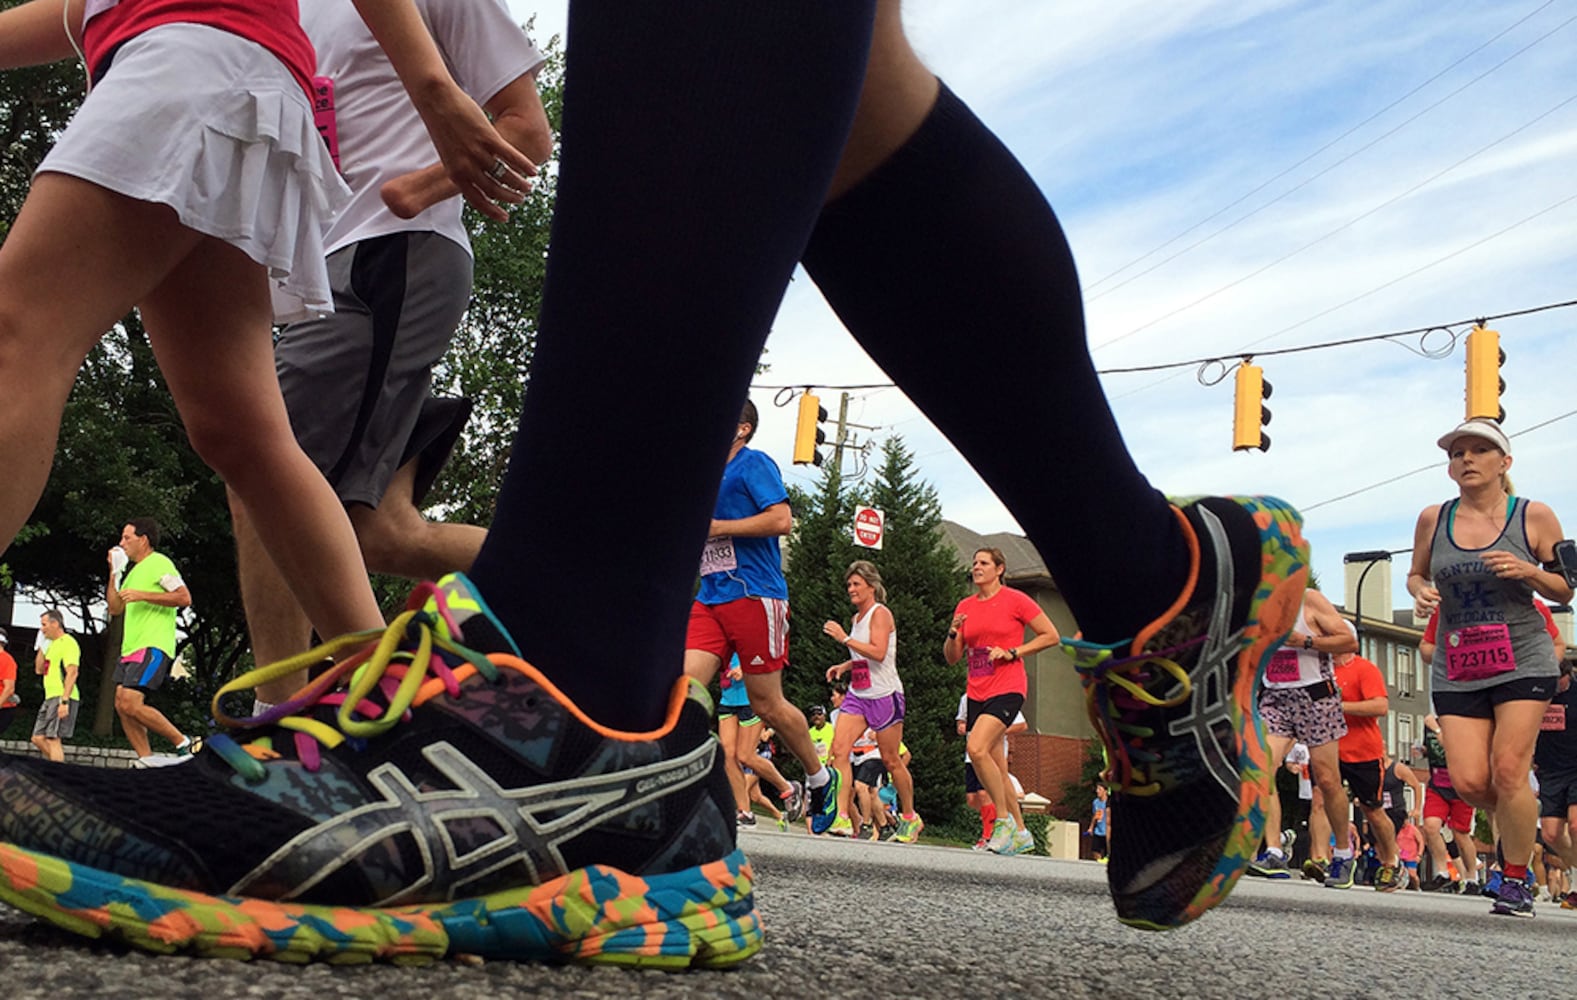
(1456, 813)
(754, 627)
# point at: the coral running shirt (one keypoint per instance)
(1000, 620)
(273, 24)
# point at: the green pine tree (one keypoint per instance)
(923, 587)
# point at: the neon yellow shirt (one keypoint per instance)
(150, 625)
(822, 736)
(59, 653)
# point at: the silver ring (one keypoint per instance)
(500, 168)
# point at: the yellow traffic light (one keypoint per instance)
(1249, 412)
(1484, 384)
(808, 435)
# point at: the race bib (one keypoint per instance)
(980, 664)
(323, 115)
(718, 555)
(1283, 667)
(1476, 652)
(860, 675)
(1554, 720)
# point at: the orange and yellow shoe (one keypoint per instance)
(1177, 710)
(431, 795)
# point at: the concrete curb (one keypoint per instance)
(91, 756)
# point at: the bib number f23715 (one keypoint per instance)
(1476, 652)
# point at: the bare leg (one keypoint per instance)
(985, 749)
(278, 627)
(766, 697)
(763, 768)
(889, 740)
(1279, 746)
(728, 734)
(1511, 757)
(1325, 762)
(396, 538)
(138, 717)
(209, 324)
(66, 276)
(844, 733)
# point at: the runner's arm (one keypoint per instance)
(35, 33)
(518, 116)
(776, 520)
(467, 143)
(1425, 596)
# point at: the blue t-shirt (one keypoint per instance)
(734, 693)
(1098, 807)
(754, 566)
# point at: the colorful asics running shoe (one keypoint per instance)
(841, 827)
(418, 800)
(823, 808)
(909, 829)
(1176, 709)
(1341, 872)
(1513, 900)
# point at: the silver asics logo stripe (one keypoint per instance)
(534, 822)
(1209, 718)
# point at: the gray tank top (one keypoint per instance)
(1473, 597)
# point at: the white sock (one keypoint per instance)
(259, 706)
(186, 741)
(818, 779)
(1345, 855)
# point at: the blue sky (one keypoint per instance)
(1335, 170)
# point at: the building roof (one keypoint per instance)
(1025, 566)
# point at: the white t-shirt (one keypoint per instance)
(380, 134)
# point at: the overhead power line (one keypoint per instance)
(1321, 173)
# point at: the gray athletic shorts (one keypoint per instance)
(358, 382)
(50, 724)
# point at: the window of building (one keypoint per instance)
(1406, 672)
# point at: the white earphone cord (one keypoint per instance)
(65, 22)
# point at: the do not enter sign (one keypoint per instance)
(868, 527)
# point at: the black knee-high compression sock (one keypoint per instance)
(949, 267)
(699, 139)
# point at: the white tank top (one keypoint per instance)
(880, 677)
(1294, 667)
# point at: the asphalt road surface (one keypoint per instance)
(889, 920)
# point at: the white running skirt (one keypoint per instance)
(217, 128)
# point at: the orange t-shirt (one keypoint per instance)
(8, 673)
(1360, 680)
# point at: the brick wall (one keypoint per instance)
(1044, 764)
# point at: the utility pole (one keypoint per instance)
(843, 432)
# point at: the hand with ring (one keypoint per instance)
(500, 168)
